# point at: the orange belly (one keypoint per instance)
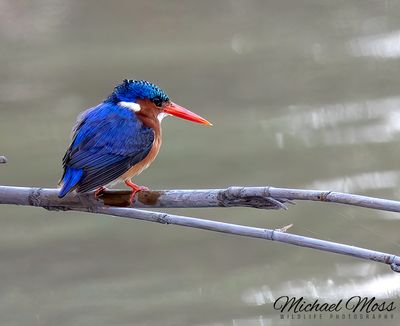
(144, 164)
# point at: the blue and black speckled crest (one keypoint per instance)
(130, 90)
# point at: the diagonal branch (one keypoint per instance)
(252, 232)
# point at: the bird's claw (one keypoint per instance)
(135, 191)
(99, 192)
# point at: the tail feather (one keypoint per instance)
(69, 181)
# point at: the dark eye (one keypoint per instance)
(157, 102)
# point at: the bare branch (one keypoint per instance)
(259, 197)
(252, 232)
(231, 197)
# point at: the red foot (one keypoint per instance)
(99, 191)
(135, 189)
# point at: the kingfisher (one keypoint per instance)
(119, 138)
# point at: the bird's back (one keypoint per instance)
(107, 141)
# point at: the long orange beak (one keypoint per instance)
(180, 112)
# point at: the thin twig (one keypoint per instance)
(252, 232)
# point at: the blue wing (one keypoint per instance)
(107, 141)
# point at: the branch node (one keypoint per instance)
(273, 234)
(239, 196)
(163, 219)
(276, 203)
(324, 195)
(395, 267)
(34, 197)
(284, 228)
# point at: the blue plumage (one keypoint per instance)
(131, 90)
(119, 138)
(108, 140)
(70, 179)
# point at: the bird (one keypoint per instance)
(119, 138)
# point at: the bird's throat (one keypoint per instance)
(148, 115)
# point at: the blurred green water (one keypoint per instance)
(301, 93)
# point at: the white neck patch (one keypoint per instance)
(161, 116)
(131, 105)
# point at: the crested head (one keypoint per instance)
(149, 102)
(132, 90)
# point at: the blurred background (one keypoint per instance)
(301, 93)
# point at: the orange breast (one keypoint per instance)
(144, 164)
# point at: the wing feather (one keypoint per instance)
(107, 141)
